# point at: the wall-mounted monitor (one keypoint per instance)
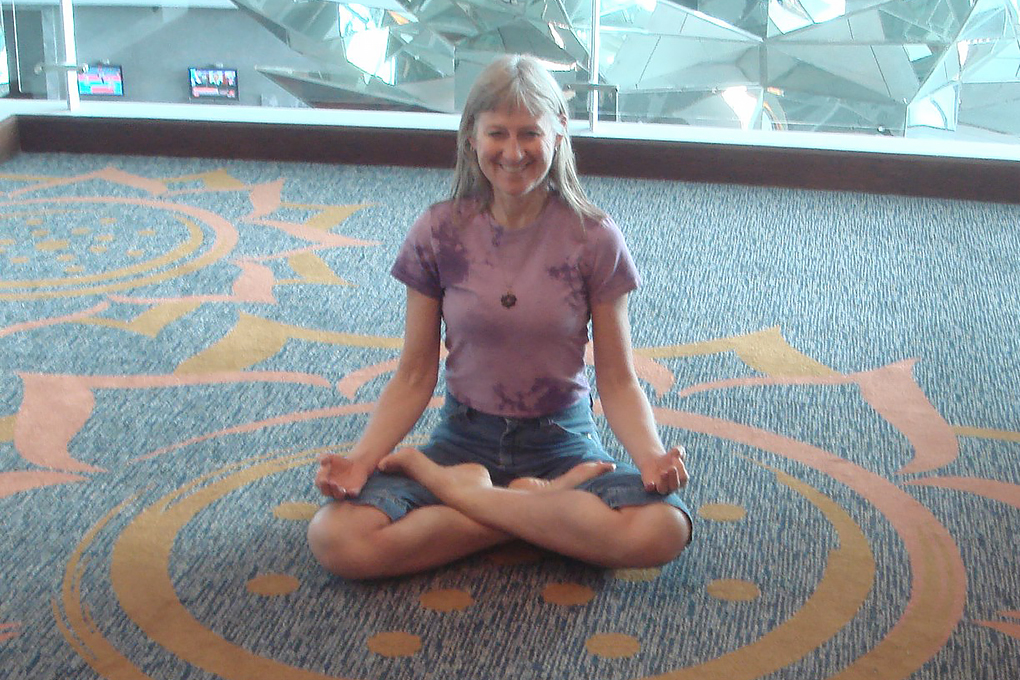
(101, 80)
(213, 82)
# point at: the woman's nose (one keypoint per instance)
(513, 148)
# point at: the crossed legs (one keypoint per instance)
(361, 542)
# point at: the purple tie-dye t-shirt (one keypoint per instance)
(526, 361)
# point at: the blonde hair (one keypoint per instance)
(518, 81)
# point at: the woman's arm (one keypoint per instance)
(624, 402)
(401, 404)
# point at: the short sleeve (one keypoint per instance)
(611, 271)
(416, 263)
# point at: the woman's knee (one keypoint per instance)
(659, 534)
(340, 537)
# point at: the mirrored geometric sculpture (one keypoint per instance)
(923, 67)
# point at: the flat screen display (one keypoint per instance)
(213, 82)
(101, 80)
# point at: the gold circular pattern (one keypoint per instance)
(734, 590)
(722, 512)
(195, 249)
(568, 594)
(813, 624)
(613, 645)
(448, 600)
(637, 575)
(394, 643)
(271, 585)
(297, 512)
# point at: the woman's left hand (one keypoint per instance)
(667, 473)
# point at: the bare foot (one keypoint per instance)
(447, 482)
(568, 480)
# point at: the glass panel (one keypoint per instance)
(919, 68)
(926, 67)
(33, 37)
(202, 52)
(421, 54)
(5, 74)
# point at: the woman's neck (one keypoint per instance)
(517, 212)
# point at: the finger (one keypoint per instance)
(321, 478)
(685, 474)
(323, 482)
(324, 488)
(671, 480)
(325, 468)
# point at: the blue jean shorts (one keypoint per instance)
(510, 448)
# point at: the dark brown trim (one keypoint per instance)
(242, 141)
(911, 175)
(985, 180)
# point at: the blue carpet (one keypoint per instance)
(180, 338)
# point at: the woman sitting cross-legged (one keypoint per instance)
(515, 264)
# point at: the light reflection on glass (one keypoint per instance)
(923, 68)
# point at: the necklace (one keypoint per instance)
(508, 300)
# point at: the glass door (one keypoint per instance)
(39, 55)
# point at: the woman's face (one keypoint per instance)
(515, 150)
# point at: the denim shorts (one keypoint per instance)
(509, 448)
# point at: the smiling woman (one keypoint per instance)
(515, 118)
(517, 454)
(515, 149)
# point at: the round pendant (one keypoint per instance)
(508, 300)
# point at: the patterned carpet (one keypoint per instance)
(180, 338)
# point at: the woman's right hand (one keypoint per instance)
(340, 477)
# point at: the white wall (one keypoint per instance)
(155, 45)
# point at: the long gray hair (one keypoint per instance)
(518, 81)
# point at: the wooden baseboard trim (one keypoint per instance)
(929, 176)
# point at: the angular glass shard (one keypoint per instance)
(990, 109)
(937, 110)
